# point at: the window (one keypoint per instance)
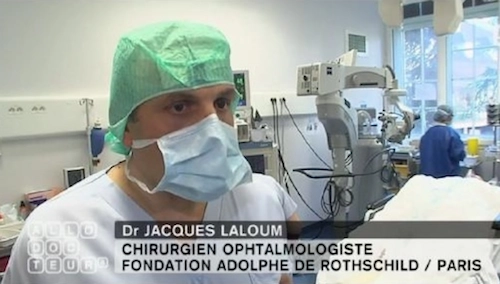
(473, 73)
(466, 62)
(420, 74)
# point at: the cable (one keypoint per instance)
(302, 135)
(342, 197)
(332, 207)
(391, 175)
(287, 176)
(349, 175)
(391, 150)
(282, 141)
(278, 139)
(276, 111)
(280, 157)
(276, 134)
(337, 196)
(327, 185)
(391, 70)
(337, 201)
(388, 174)
(273, 100)
(282, 161)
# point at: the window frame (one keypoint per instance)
(444, 46)
(398, 50)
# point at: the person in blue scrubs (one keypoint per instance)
(441, 148)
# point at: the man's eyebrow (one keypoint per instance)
(228, 92)
(179, 95)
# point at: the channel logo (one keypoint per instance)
(66, 265)
(54, 248)
(84, 230)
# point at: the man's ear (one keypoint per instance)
(127, 135)
(127, 138)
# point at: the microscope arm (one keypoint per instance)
(409, 118)
(396, 132)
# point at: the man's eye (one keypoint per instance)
(222, 103)
(179, 107)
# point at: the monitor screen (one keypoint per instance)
(73, 176)
(257, 163)
(241, 85)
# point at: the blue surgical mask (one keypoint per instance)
(202, 161)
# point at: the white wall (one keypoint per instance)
(64, 49)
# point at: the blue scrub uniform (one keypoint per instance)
(441, 151)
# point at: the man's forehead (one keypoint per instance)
(202, 93)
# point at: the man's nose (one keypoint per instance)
(206, 110)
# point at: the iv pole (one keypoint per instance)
(95, 136)
(88, 104)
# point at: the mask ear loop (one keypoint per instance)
(139, 144)
(139, 183)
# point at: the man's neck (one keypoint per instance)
(440, 124)
(161, 206)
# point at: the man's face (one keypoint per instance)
(168, 113)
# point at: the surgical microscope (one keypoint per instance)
(328, 81)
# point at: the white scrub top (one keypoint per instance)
(98, 199)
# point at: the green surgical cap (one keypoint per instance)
(159, 59)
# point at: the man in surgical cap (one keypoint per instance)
(171, 114)
(441, 148)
